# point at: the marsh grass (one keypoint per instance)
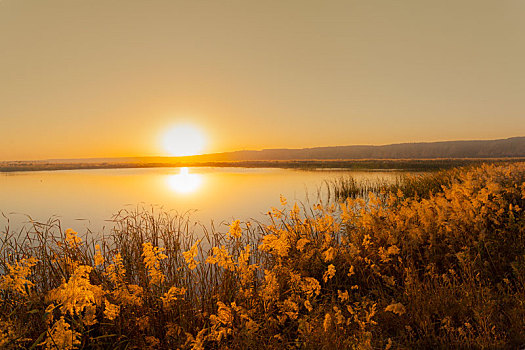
(429, 262)
(421, 185)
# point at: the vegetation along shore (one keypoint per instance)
(436, 264)
(355, 164)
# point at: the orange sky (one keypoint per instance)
(97, 78)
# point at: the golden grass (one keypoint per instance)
(391, 271)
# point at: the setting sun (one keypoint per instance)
(183, 140)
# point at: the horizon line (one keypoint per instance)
(257, 150)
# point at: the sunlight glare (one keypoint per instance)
(184, 182)
(184, 140)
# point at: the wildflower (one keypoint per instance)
(16, 278)
(343, 296)
(190, 255)
(326, 224)
(89, 316)
(111, 311)
(152, 256)
(72, 239)
(367, 241)
(392, 250)
(222, 322)
(386, 254)
(99, 259)
(308, 305)
(276, 243)
(221, 257)
(116, 271)
(396, 308)
(346, 213)
(271, 286)
(198, 342)
(276, 213)
(235, 229)
(291, 309)
(172, 295)
(329, 254)
(294, 213)
(301, 243)
(7, 334)
(246, 271)
(283, 200)
(77, 293)
(224, 314)
(339, 318)
(129, 295)
(327, 322)
(244, 257)
(351, 271)
(61, 336)
(310, 286)
(330, 273)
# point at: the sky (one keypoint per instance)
(106, 78)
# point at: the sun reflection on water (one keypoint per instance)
(184, 182)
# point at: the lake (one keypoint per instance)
(85, 199)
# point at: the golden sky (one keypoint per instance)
(97, 78)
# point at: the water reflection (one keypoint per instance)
(184, 182)
(216, 193)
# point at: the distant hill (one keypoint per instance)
(424, 155)
(504, 148)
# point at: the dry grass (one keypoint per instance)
(393, 271)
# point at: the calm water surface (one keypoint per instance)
(88, 198)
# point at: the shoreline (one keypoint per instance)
(368, 164)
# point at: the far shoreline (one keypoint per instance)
(350, 164)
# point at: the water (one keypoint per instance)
(87, 199)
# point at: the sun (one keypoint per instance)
(183, 140)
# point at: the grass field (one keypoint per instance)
(436, 261)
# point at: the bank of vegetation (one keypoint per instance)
(442, 267)
(311, 164)
(420, 185)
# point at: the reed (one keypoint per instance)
(421, 185)
(431, 261)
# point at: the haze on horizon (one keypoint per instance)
(107, 78)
